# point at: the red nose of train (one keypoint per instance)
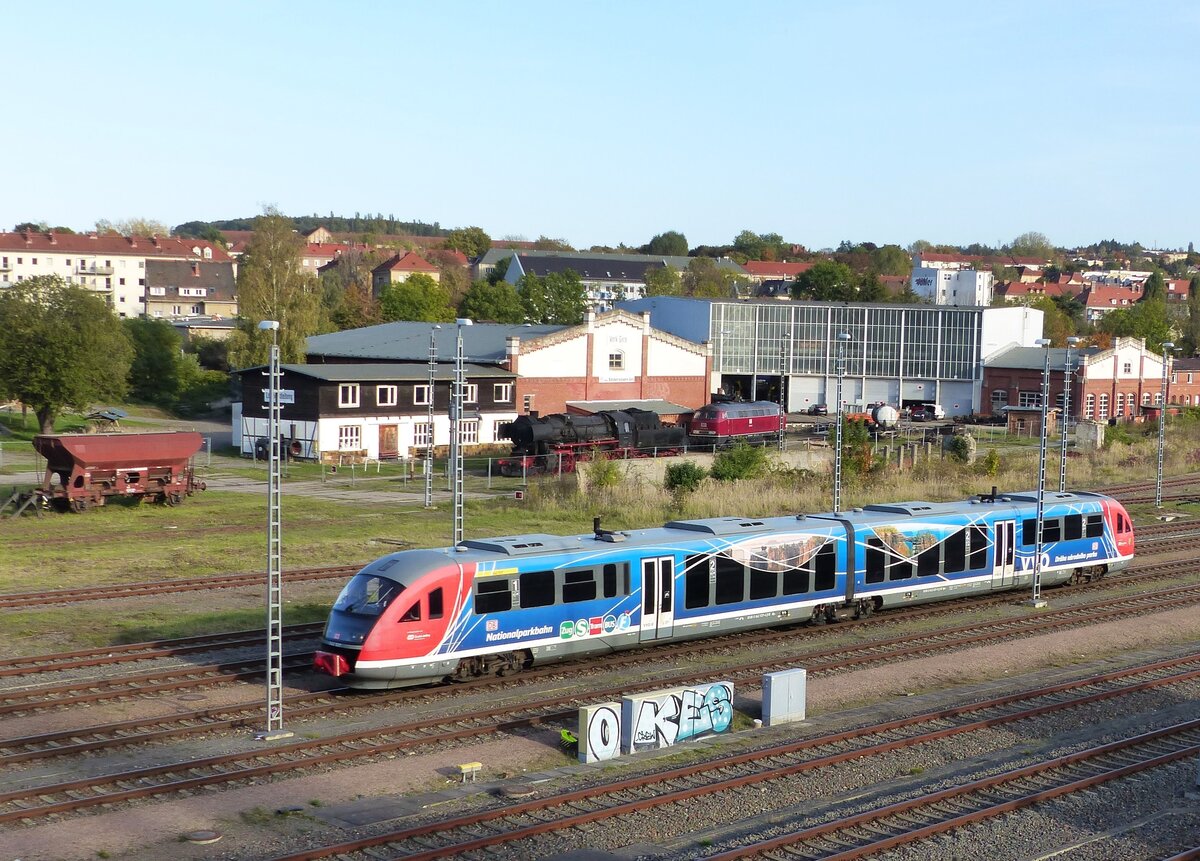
(330, 663)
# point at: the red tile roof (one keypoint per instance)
(407, 262)
(1110, 296)
(110, 243)
(1038, 288)
(771, 269)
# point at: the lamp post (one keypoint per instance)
(842, 338)
(274, 729)
(1036, 598)
(1167, 347)
(1068, 376)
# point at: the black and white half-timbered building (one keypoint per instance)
(371, 411)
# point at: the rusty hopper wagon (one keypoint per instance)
(84, 470)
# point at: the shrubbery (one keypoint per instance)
(684, 477)
(602, 472)
(742, 461)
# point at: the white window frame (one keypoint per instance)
(1029, 399)
(349, 437)
(470, 393)
(1089, 407)
(999, 397)
(422, 435)
(616, 360)
(469, 431)
(502, 393)
(1102, 415)
(387, 396)
(348, 394)
(421, 395)
(1145, 399)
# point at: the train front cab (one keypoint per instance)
(389, 620)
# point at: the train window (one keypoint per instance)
(1052, 529)
(579, 585)
(695, 582)
(955, 550)
(795, 581)
(763, 584)
(731, 580)
(900, 569)
(875, 559)
(979, 543)
(929, 561)
(616, 579)
(1073, 526)
(1029, 531)
(537, 588)
(826, 567)
(1095, 526)
(412, 614)
(367, 595)
(493, 596)
(435, 603)
(1123, 524)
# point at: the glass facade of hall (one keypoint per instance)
(897, 341)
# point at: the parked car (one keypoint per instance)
(818, 410)
(927, 413)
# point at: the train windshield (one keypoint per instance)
(367, 595)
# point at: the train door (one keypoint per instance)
(658, 597)
(1004, 534)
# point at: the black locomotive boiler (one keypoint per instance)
(542, 443)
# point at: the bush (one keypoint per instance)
(991, 463)
(684, 477)
(742, 461)
(602, 472)
(959, 447)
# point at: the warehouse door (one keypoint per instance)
(658, 609)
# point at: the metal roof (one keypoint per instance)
(1034, 358)
(663, 408)
(382, 372)
(409, 341)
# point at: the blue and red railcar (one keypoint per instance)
(499, 605)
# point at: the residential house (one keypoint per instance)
(1098, 298)
(179, 288)
(958, 287)
(111, 265)
(400, 267)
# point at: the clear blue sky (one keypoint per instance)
(610, 122)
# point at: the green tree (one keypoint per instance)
(705, 279)
(1056, 325)
(826, 281)
(663, 281)
(669, 244)
(272, 285)
(492, 303)
(418, 297)
(1032, 244)
(471, 241)
(1155, 287)
(60, 347)
(1146, 319)
(557, 298)
(872, 289)
(1191, 330)
(858, 458)
(154, 375)
(133, 227)
(347, 298)
(755, 246)
(890, 260)
(496, 275)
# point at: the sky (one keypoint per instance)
(607, 123)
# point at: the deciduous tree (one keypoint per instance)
(1191, 329)
(60, 347)
(663, 281)
(671, 243)
(133, 227)
(471, 241)
(492, 303)
(154, 373)
(704, 278)
(418, 297)
(272, 285)
(826, 281)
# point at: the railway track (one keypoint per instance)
(456, 727)
(518, 826)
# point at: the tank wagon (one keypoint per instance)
(500, 605)
(84, 470)
(540, 444)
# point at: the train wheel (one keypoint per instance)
(174, 498)
(864, 609)
(79, 505)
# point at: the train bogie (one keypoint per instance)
(497, 606)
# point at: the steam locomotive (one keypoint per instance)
(540, 444)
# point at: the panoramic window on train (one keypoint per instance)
(579, 585)
(1073, 526)
(795, 581)
(492, 596)
(929, 561)
(731, 580)
(979, 543)
(875, 560)
(1029, 531)
(955, 550)
(537, 588)
(826, 567)
(1095, 525)
(435, 603)
(367, 595)
(1052, 529)
(695, 582)
(763, 584)
(901, 569)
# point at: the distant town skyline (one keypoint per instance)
(601, 125)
